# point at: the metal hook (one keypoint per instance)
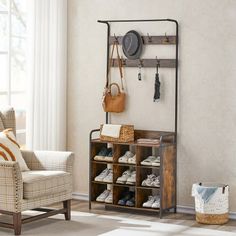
(123, 61)
(116, 38)
(166, 38)
(149, 38)
(140, 67)
(158, 64)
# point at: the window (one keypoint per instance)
(13, 60)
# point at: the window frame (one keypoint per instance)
(8, 52)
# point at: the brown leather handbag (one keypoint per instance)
(114, 102)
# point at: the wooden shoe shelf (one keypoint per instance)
(167, 170)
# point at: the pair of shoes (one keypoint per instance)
(152, 202)
(128, 177)
(151, 161)
(129, 158)
(128, 199)
(106, 196)
(105, 176)
(105, 154)
(151, 181)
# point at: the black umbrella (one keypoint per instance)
(157, 86)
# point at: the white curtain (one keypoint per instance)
(46, 115)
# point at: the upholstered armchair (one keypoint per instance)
(48, 181)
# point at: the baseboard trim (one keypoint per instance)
(80, 196)
(180, 208)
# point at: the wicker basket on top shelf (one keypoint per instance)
(126, 135)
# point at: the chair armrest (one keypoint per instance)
(11, 186)
(48, 160)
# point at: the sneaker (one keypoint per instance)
(149, 180)
(156, 162)
(132, 160)
(122, 179)
(149, 202)
(102, 154)
(127, 196)
(148, 161)
(124, 158)
(102, 175)
(109, 156)
(132, 179)
(109, 177)
(156, 204)
(109, 198)
(103, 196)
(156, 182)
(131, 202)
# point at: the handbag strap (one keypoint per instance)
(120, 65)
(115, 84)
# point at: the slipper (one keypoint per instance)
(148, 161)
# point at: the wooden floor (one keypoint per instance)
(178, 218)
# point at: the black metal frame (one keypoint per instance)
(108, 22)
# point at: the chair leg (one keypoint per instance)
(67, 207)
(17, 223)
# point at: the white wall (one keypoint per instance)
(207, 102)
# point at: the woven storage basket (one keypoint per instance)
(216, 210)
(126, 135)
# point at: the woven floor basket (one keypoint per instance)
(216, 210)
(212, 219)
(126, 135)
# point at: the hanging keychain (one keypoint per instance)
(139, 73)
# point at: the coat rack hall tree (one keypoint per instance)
(168, 140)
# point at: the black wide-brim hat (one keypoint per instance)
(132, 45)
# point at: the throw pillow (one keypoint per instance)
(10, 149)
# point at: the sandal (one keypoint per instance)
(148, 161)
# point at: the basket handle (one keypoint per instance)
(223, 189)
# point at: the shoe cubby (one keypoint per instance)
(120, 150)
(142, 196)
(142, 153)
(97, 168)
(167, 170)
(118, 170)
(120, 192)
(142, 174)
(97, 189)
(95, 149)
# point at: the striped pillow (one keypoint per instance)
(10, 149)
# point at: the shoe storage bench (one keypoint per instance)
(167, 170)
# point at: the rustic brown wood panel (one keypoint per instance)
(163, 63)
(151, 40)
(168, 177)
